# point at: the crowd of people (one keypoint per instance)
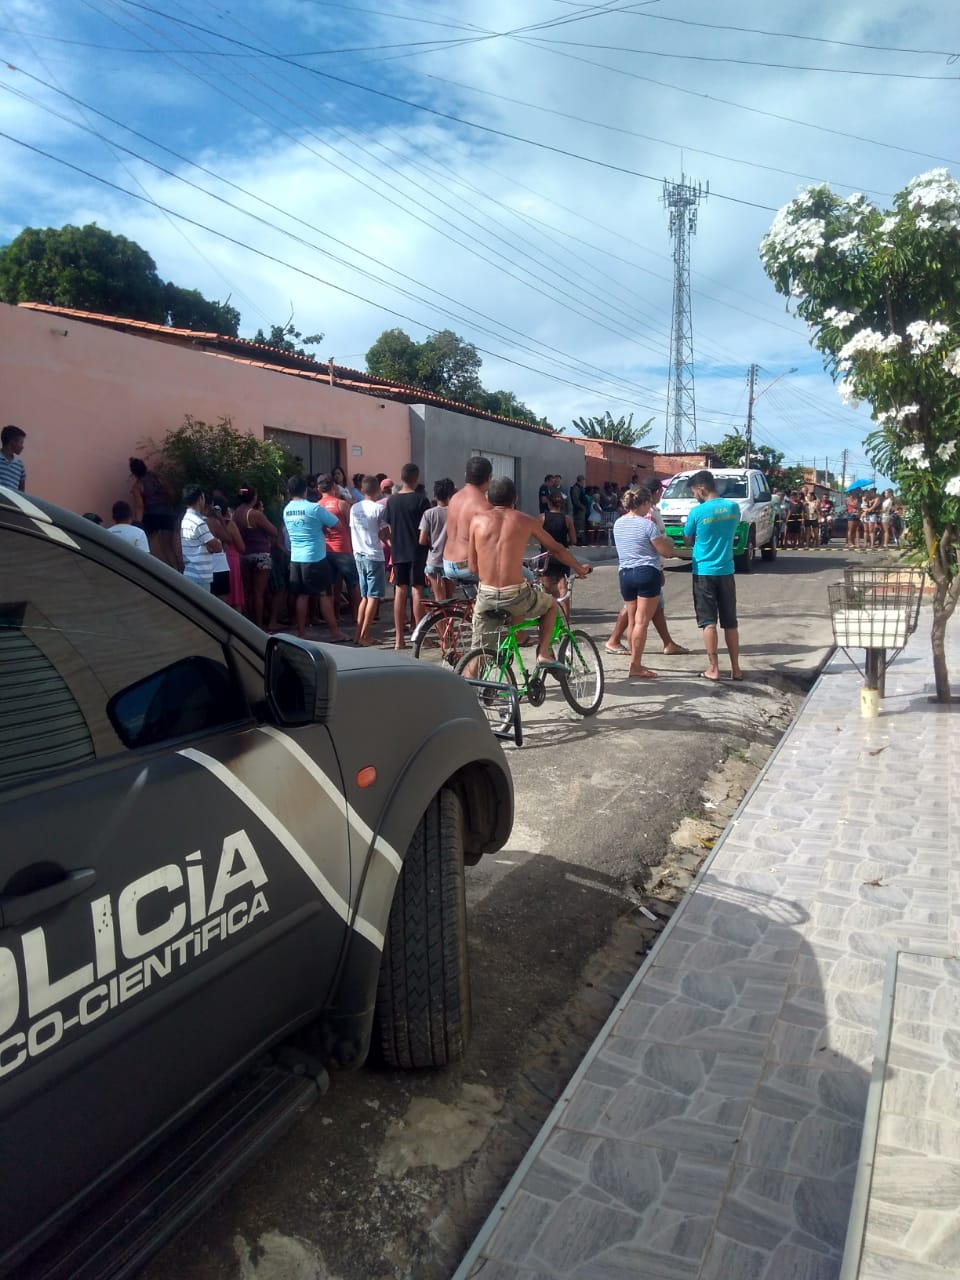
(873, 520)
(328, 554)
(324, 556)
(593, 509)
(869, 519)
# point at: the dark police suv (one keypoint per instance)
(224, 859)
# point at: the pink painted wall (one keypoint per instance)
(88, 401)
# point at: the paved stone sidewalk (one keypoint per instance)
(713, 1131)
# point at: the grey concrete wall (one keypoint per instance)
(442, 441)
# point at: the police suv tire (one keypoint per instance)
(423, 993)
(769, 553)
(744, 563)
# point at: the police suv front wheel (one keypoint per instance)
(423, 994)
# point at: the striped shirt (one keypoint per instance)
(197, 560)
(633, 536)
(13, 474)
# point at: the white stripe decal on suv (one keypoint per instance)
(287, 839)
(40, 519)
(336, 795)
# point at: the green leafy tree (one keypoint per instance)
(90, 269)
(395, 358)
(503, 403)
(446, 365)
(881, 292)
(285, 338)
(189, 309)
(218, 456)
(449, 366)
(620, 430)
(442, 363)
(732, 450)
(82, 267)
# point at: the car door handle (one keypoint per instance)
(15, 908)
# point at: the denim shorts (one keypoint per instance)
(642, 581)
(373, 577)
(458, 572)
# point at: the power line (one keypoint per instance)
(567, 361)
(741, 62)
(739, 106)
(630, 337)
(269, 257)
(533, 106)
(780, 35)
(434, 111)
(218, 88)
(572, 303)
(603, 66)
(647, 137)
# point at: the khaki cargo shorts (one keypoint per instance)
(520, 602)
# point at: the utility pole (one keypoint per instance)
(748, 434)
(752, 400)
(681, 199)
(843, 471)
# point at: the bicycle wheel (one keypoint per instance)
(582, 681)
(443, 636)
(485, 664)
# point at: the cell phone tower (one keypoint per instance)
(681, 200)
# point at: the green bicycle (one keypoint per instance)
(580, 675)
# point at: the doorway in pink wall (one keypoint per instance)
(317, 454)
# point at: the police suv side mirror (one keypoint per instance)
(300, 683)
(765, 496)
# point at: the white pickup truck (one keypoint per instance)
(759, 516)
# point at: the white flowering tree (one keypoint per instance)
(880, 291)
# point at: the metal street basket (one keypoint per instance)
(876, 608)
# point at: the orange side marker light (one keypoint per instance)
(366, 777)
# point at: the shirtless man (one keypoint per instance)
(463, 506)
(495, 548)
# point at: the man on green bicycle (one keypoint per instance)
(496, 546)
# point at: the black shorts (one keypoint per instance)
(221, 583)
(410, 573)
(713, 598)
(314, 578)
(158, 522)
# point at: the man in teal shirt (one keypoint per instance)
(311, 576)
(710, 529)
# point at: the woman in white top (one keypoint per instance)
(640, 544)
(660, 624)
(340, 480)
(870, 518)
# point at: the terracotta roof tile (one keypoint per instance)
(245, 351)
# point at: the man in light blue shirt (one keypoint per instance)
(710, 529)
(310, 571)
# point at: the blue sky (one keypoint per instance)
(399, 163)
